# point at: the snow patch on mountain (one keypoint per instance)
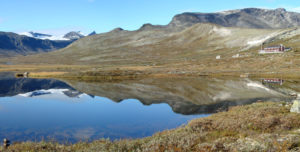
(43, 92)
(258, 42)
(54, 92)
(257, 85)
(222, 31)
(44, 36)
(261, 40)
(69, 36)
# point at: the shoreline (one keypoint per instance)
(124, 75)
(95, 72)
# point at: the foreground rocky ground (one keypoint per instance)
(265, 126)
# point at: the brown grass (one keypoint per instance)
(263, 117)
(46, 74)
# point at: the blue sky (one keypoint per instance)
(60, 16)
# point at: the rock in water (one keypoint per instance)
(296, 106)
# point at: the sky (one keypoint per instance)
(61, 16)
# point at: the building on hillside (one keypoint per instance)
(273, 49)
(272, 80)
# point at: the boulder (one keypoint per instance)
(296, 106)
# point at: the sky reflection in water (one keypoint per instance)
(59, 117)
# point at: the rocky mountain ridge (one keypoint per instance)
(244, 18)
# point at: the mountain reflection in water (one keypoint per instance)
(188, 95)
(36, 109)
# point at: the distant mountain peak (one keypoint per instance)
(117, 30)
(244, 18)
(93, 33)
(74, 35)
(281, 9)
(147, 26)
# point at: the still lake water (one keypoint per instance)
(70, 111)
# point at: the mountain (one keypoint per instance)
(187, 44)
(245, 18)
(159, 46)
(13, 44)
(93, 33)
(73, 35)
(27, 43)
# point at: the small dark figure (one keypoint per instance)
(6, 143)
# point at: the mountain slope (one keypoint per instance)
(13, 44)
(245, 18)
(188, 48)
(158, 46)
(190, 51)
(92, 33)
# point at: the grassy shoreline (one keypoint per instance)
(81, 72)
(267, 126)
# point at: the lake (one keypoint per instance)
(69, 111)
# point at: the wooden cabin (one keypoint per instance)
(273, 49)
(273, 80)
